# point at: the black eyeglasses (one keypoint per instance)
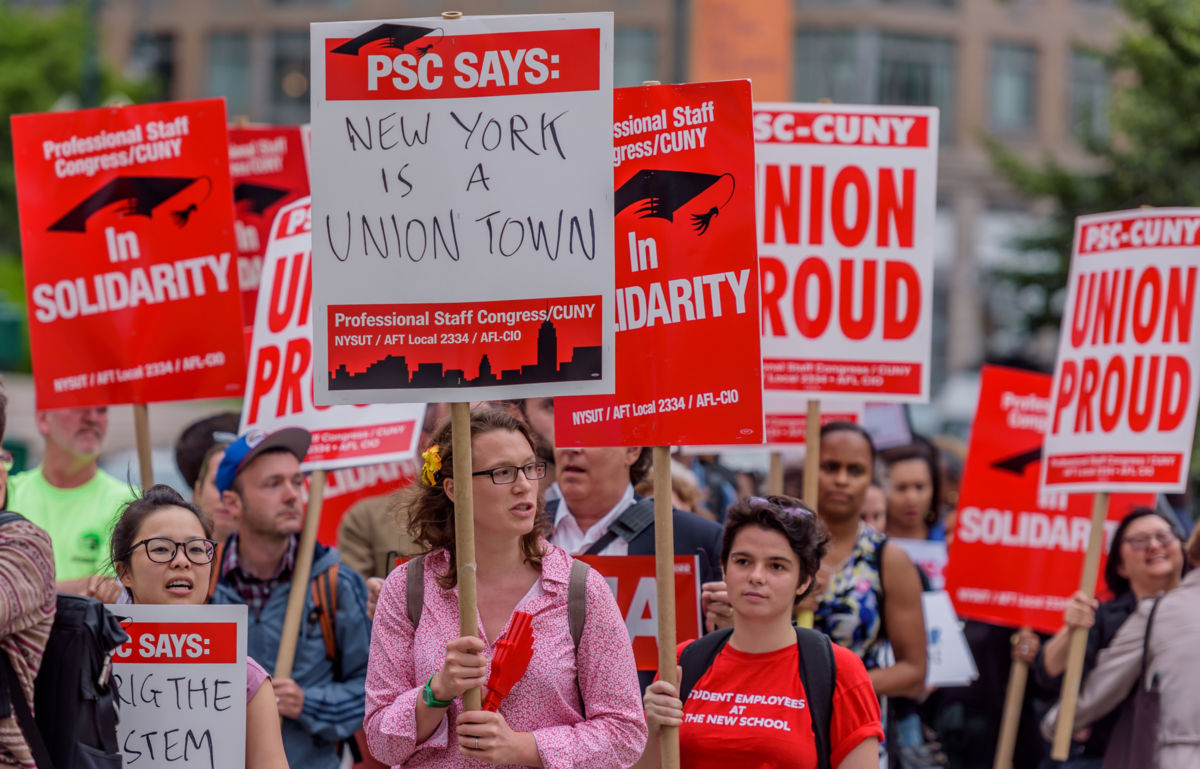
(163, 550)
(1140, 542)
(501, 476)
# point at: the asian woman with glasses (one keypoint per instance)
(162, 553)
(574, 706)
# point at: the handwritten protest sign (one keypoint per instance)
(1126, 380)
(688, 366)
(462, 201)
(128, 247)
(846, 201)
(181, 684)
(268, 167)
(1017, 554)
(279, 380)
(633, 583)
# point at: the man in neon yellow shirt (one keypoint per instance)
(75, 501)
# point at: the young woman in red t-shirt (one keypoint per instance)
(749, 708)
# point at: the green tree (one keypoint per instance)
(1150, 156)
(44, 59)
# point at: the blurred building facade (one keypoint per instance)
(1024, 72)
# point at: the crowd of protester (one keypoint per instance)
(381, 679)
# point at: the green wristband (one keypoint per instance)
(428, 698)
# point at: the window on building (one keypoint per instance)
(227, 71)
(635, 56)
(1089, 95)
(1012, 89)
(829, 65)
(918, 71)
(289, 77)
(153, 58)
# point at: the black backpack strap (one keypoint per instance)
(14, 703)
(637, 518)
(697, 657)
(577, 615)
(818, 676)
(414, 589)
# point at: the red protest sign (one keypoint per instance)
(1125, 383)
(172, 643)
(633, 583)
(688, 369)
(268, 169)
(127, 239)
(1017, 555)
(345, 487)
(846, 201)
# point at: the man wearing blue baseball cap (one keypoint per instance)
(322, 703)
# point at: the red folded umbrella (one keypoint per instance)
(513, 652)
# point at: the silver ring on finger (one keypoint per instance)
(477, 743)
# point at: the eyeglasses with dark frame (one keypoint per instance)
(502, 476)
(1139, 542)
(163, 550)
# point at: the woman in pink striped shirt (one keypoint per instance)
(569, 709)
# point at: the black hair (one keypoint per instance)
(842, 426)
(920, 449)
(138, 509)
(790, 517)
(1117, 584)
(198, 438)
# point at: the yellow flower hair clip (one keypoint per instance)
(433, 463)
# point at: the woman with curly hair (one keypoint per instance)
(575, 706)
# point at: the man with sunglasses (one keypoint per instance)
(322, 703)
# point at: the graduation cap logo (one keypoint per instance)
(137, 195)
(395, 36)
(663, 193)
(1017, 463)
(256, 198)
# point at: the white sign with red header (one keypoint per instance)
(1126, 380)
(181, 684)
(846, 200)
(279, 380)
(463, 204)
(787, 418)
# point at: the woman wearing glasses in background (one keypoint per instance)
(162, 553)
(577, 708)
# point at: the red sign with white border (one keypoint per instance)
(128, 247)
(846, 203)
(634, 585)
(1126, 382)
(268, 168)
(1017, 554)
(688, 366)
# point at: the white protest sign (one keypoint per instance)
(1125, 385)
(181, 684)
(846, 201)
(949, 657)
(463, 208)
(929, 556)
(279, 379)
(787, 417)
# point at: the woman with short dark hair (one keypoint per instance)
(749, 707)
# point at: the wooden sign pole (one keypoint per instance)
(141, 428)
(812, 467)
(664, 565)
(775, 474)
(464, 533)
(1078, 641)
(1014, 698)
(300, 576)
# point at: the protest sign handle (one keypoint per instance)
(464, 534)
(664, 572)
(1078, 642)
(1014, 698)
(300, 576)
(141, 428)
(812, 452)
(775, 474)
